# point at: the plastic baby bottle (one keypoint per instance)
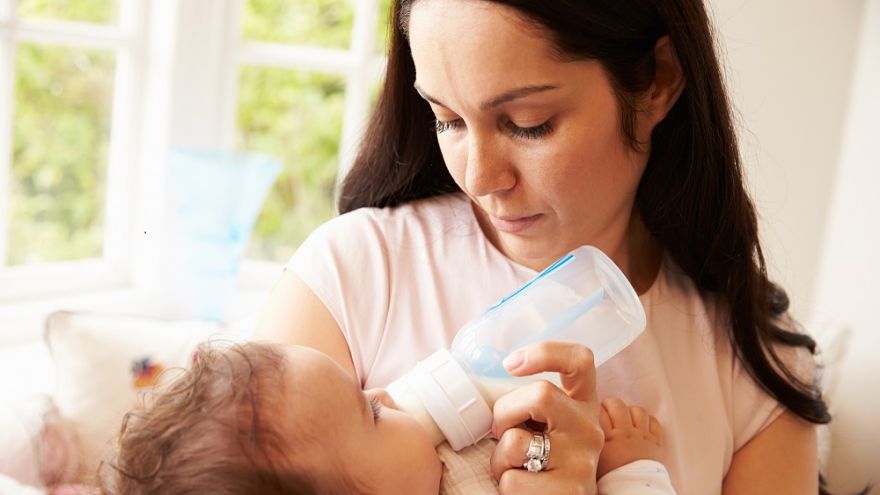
(582, 298)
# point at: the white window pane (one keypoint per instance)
(295, 116)
(61, 129)
(325, 23)
(97, 11)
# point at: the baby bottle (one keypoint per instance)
(581, 298)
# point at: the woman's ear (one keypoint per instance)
(668, 81)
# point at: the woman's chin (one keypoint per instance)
(535, 253)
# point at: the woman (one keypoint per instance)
(510, 132)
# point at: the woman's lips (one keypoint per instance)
(513, 225)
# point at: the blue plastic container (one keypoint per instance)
(218, 196)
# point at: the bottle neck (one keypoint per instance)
(439, 385)
(410, 404)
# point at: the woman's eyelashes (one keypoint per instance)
(376, 405)
(530, 132)
(441, 126)
(536, 132)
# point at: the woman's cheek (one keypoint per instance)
(455, 158)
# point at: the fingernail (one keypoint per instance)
(514, 360)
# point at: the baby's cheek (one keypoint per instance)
(420, 460)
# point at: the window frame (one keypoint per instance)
(360, 66)
(125, 40)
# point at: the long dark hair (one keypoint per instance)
(691, 197)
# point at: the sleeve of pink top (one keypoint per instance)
(345, 264)
(754, 409)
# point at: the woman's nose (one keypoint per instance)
(489, 171)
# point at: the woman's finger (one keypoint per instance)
(573, 362)
(522, 482)
(539, 401)
(510, 452)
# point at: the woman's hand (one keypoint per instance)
(571, 416)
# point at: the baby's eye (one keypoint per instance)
(376, 405)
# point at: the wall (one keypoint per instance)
(806, 79)
(789, 68)
(846, 291)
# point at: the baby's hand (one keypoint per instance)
(630, 434)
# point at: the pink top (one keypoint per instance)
(401, 281)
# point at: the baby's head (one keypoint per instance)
(262, 418)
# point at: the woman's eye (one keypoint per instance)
(444, 125)
(376, 405)
(530, 132)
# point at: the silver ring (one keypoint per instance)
(538, 454)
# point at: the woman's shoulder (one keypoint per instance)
(420, 219)
(391, 236)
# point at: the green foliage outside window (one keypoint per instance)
(296, 117)
(61, 129)
(97, 11)
(382, 27)
(325, 23)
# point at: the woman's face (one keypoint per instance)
(535, 142)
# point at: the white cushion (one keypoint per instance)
(851, 383)
(833, 340)
(20, 424)
(103, 362)
(11, 486)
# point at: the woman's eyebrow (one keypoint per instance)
(501, 99)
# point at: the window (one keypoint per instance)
(94, 92)
(306, 78)
(68, 72)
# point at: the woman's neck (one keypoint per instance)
(640, 255)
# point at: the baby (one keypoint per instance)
(262, 418)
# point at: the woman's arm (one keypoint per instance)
(781, 459)
(295, 315)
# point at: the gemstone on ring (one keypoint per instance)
(538, 454)
(534, 465)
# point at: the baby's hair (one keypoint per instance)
(215, 429)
